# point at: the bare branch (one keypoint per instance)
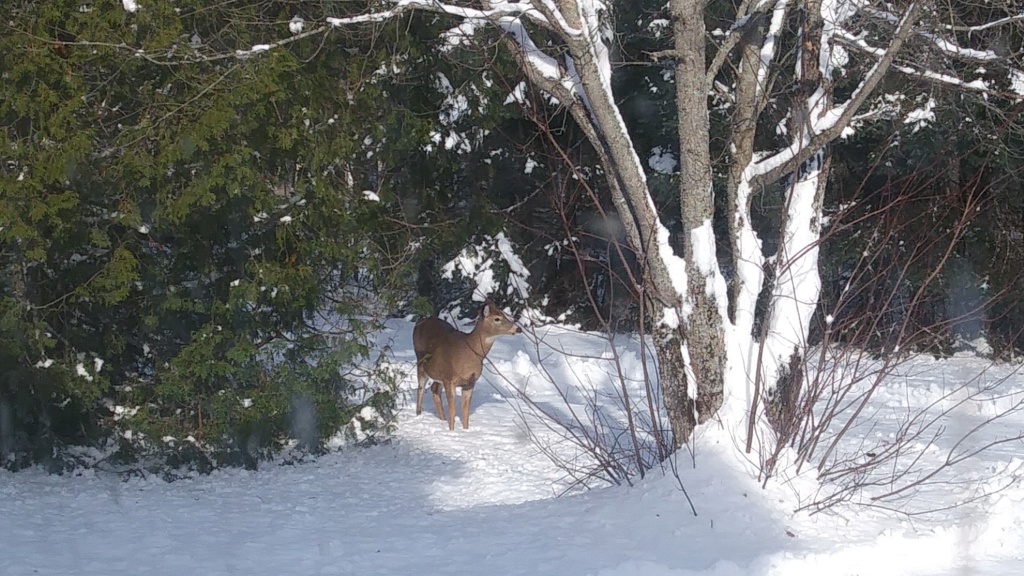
(987, 25)
(978, 85)
(495, 13)
(731, 40)
(830, 126)
(945, 45)
(741, 28)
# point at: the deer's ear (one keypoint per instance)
(488, 308)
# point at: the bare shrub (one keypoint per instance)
(885, 319)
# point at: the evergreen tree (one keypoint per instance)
(187, 252)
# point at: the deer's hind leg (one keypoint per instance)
(435, 391)
(422, 378)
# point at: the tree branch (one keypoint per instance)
(495, 12)
(977, 85)
(986, 25)
(744, 22)
(831, 125)
(945, 45)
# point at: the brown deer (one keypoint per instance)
(453, 358)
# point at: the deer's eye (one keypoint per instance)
(498, 319)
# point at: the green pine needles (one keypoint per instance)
(189, 273)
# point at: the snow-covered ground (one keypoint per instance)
(486, 501)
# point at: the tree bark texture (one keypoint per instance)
(705, 337)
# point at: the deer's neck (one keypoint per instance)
(479, 343)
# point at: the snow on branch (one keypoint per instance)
(494, 12)
(945, 45)
(553, 14)
(744, 21)
(559, 79)
(976, 85)
(986, 25)
(543, 69)
(195, 58)
(769, 48)
(829, 125)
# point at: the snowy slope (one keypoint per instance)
(484, 502)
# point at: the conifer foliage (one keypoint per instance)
(185, 251)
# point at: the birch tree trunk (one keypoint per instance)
(795, 283)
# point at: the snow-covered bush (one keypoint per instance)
(487, 267)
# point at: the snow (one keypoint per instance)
(749, 262)
(371, 196)
(798, 283)
(946, 45)
(662, 161)
(124, 412)
(702, 239)
(81, 371)
(768, 49)
(517, 95)
(130, 5)
(940, 77)
(590, 13)
(953, 49)
(931, 75)
(923, 116)
(796, 291)
(452, 110)
(476, 263)
(676, 266)
(485, 501)
(296, 24)
(670, 318)
(660, 27)
(508, 254)
(1017, 82)
(977, 84)
(538, 60)
(460, 35)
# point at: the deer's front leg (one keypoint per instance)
(449, 392)
(467, 394)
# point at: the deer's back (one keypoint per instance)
(431, 333)
(443, 351)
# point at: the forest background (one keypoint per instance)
(207, 209)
